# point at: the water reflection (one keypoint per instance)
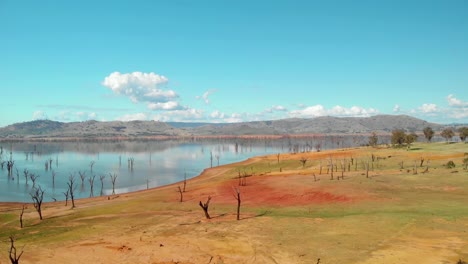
(137, 164)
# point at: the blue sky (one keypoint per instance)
(229, 61)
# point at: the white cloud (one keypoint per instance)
(396, 108)
(234, 118)
(452, 101)
(140, 86)
(205, 96)
(459, 113)
(320, 110)
(39, 115)
(428, 108)
(133, 117)
(184, 115)
(92, 116)
(274, 108)
(217, 114)
(171, 105)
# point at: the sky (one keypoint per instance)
(231, 61)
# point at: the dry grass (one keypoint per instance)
(287, 216)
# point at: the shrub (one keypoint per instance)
(450, 165)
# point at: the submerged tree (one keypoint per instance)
(113, 178)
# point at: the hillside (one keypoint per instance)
(135, 129)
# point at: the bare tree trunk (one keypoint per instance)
(204, 206)
(181, 194)
(21, 216)
(91, 185)
(185, 180)
(113, 179)
(37, 195)
(14, 258)
(71, 189)
(238, 198)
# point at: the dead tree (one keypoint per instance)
(53, 179)
(21, 216)
(66, 194)
(46, 165)
(14, 258)
(10, 164)
(303, 161)
(181, 194)
(113, 178)
(26, 175)
(33, 178)
(71, 189)
(415, 168)
(422, 161)
(130, 163)
(82, 177)
(91, 185)
(320, 173)
(50, 163)
(211, 159)
(238, 198)
(278, 157)
(37, 195)
(101, 178)
(367, 169)
(204, 206)
(91, 165)
(343, 168)
(185, 180)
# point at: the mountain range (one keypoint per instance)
(48, 129)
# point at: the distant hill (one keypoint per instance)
(326, 124)
(135, 129)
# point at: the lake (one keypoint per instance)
(155, 163)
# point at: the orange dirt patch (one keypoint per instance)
(280, 191)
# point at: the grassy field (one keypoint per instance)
(396, 211)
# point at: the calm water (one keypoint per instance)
(156, 163)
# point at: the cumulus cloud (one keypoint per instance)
(171, 105)
(83, 116)
(458, 108)
(396, 108)
(205, 96)
(278, 108)
(428, 108)
(217, 114)
(234, 118)
(39, 115)
(184, 115)
(320, 110)
(133, 117)
(455, 102)
(140, 86)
